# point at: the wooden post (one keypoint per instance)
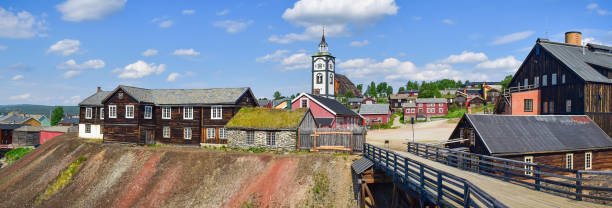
(394, 196)
(351, 143)
(506, 171)
(314, 142)
(439, 199)
(362, 204)
(578, 186)
(297, 144)
(538, 178)
(466, 195)
(422, 177)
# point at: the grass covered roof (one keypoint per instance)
(265, 118)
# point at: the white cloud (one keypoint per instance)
(173, 76)
(65, 47)
(591, 40)
(80, 10)
(17, 77)
(3, 48)
(464, 57)
(188, 11)
(595, 7)
(149, 52)
(507, 64)
(20, 24)
(512, 37)
(287, 62)
(337, 16)
(90, 64)
(71, 73)
(417, 18)
(360, 43)
(166, 23)
(73, 100)
(223, 12)
(232, 26)
(186, 52)
(20, 97)
(448, 21)
(140, 69)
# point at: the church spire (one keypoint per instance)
(323, 44)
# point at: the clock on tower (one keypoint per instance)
(323, 71)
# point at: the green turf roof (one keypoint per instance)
(265, 118)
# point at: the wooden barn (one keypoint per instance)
(329, 113)
(476, 101)
(376, 113)
(563, 79)
(26, 136)
(271, 129)
(565, 141)
(6, 135)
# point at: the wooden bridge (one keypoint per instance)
(446, 186)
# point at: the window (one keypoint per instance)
(271, 138)
(554, 79)
(588, 160)
(101, 113)
(536, 81)
(528, 105)
(544, 80)
(473, 137)
(148, 114)
(568, 106)
(304, 102)
(551, 107)
(563, 79)
(528, 168)
(569, 161)
(319, 78)
(187, 133)
(166, 112)
(461, 133)
(88, 113)
(187, 112)
(216, 112)
(222, 133)
(250, 137)
(331, 78)
(129, 111)
(112, 111)
(526, 82)
(210, 133)
(87, 128)
(166, 132)
(120, 95)
(440, 110)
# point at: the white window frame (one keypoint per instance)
(563, 79)
(553, 80)
(187, 133)
(250, 137)
(536, 81)
(148, 113)
(569, 160)
(528, 168)
(210, 133)
(218, 115)
(222, 133)
(271, 138)
(166, 132)
(112, 111)
(568, 105)
(102, 113)
(588, 160)
(526, 82)
(88, 113)
(302, 103)
(127, 111)
(440, 110)
(166, 110)
(188, 112)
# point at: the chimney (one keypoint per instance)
(99, 89)
(573, 37)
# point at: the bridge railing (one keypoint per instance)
(565, 182)
(436, 185)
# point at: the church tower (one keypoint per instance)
(323, 71)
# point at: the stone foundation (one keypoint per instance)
(285, 140)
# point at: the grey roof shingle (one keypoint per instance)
(355, 100)
(334, 105)
(409, 105)
(374, 109)
(361, 165)
(185, 96)
(574, 58)
(507, 134)
(14, 119)
(10, 126)
(431, 100)
(95, 99)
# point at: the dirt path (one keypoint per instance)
(433, 131)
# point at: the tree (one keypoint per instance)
(506, 81)
(401, 89)
(372, 90)
(58, 114)
(389, 90)
(278, 96)
(381, 89)
(360, 87)
(349, 94)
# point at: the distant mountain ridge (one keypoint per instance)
(37, 109)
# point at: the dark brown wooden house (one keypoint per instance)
(182, 116)
(566, 141)
(91, 115)
(563, 79)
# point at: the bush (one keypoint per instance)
(63, 180)
(16, 154)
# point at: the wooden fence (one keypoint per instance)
(565, 182)
(351, 140)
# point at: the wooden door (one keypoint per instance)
(149, 137)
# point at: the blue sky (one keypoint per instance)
(57, 52)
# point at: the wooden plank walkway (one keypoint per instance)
(512, 195)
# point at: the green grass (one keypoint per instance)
(62, 180)
(16, 154)
(267, 118)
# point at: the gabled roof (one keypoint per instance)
(265, 118)
(431, 100)
(10, 126)
(263, 102)
(409, 105)
(399, 96)
(69, 121)
(95, 99)
(508, 134)
(361, 165)
(15, 119)
(331, 105)
(184, 96)
(374, 109)
(579, 59)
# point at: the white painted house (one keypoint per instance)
(92, 115)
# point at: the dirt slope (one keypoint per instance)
(129, 176)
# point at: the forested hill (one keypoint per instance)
(37, 109)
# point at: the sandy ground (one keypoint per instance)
(433, 131)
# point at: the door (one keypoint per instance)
(149, 137)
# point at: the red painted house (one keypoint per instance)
(49, 133)
(375, 113)
(328, 113)
(425, 107)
